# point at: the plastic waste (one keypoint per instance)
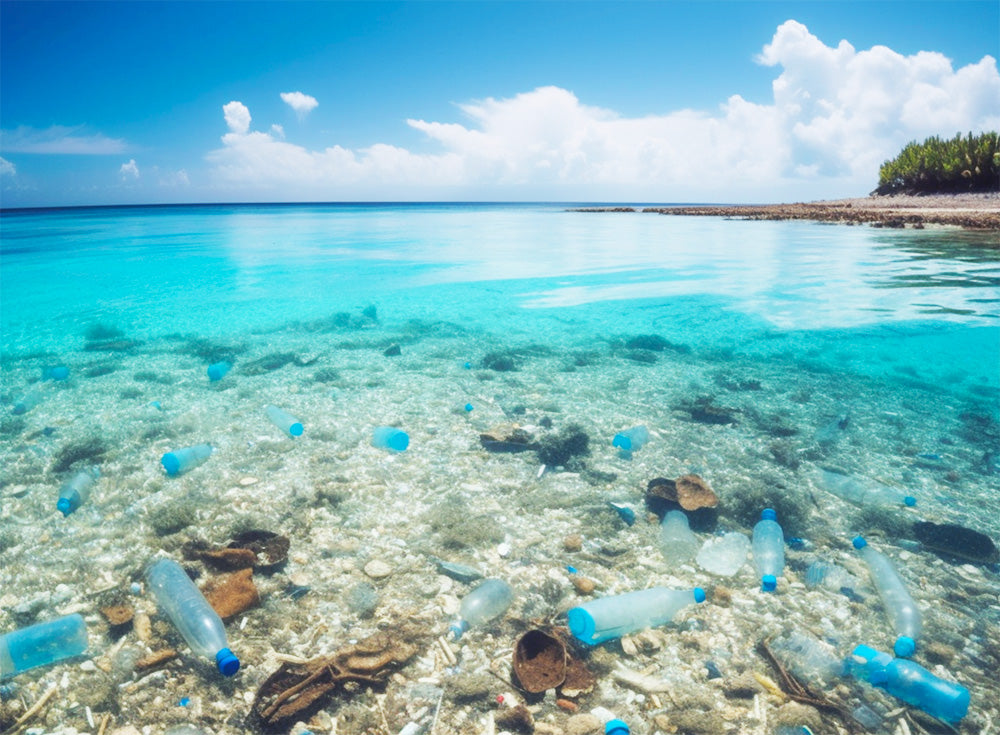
(181, 460)
(55, 372)
(612, 617)
(813, 662)
(42, 644)
(76, 490)
(631, 440)
(616, 727)
(904, 615)
(831, 432)
(724, 555)
(284, 421)
(910, 682)
(677, 541)
(488, 600)
(217, 370)
(863, 492)
(624, 511)
(27, 402)
(830, 576)
(768, 549)
(389, 437)
(191, 614)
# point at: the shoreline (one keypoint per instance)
(979, 211)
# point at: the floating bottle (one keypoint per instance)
(488, 600)
(863, 493)
(55, 372)
(217, 370)
(899, 605)
(389, 437)
(27, 402)
(677, 541)
(191, 614)
(42, 644)
(631, 440)
(612, 617)
(284, 421)
(181, 460)
(768, 549)
(76, 490)
(910, 682)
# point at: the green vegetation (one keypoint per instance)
(970, 163)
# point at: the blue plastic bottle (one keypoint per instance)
(910, 682)
(612, 617)
(191, 614)
(616, 727)
(55, 372)
(632, 439)
(76, 490)
(217, 370)
(42, 644)
(181, 460)
(27, 402)
(768, 549)
(389, 437)
(899, 605)
(284, 421)
(488, 600)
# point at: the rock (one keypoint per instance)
(393, 351)
(950, 541)
(573, 542)
(377, 569)
(470, 688)
(557, 449)
(362, 599)
(583, 725)
(248, 481)
(583, 585)
(271, 549)
(516, 719)
(939, 653)
(507, 439)
(156, 659)
(232, 594)
(117, 614)
(691, 492)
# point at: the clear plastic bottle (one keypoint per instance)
(863, 492)
(612, 617)
(27, 402)
(904, 615)
(42, 644)
(284, 421)
(181, 460)
(76, 490)
(631, 440)
(813, 662)
(488, 600)
(191, 614)
(910, 682)
(677, 541)
(768, 549)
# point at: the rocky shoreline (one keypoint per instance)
(969, 211)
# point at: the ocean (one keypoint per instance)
(764, 357)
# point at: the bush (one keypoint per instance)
(970, 163)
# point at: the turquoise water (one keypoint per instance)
(781, 326)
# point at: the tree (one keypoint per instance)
(970, 163)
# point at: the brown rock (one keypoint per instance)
(722, 596)
(231, 594)
(155, 659)
(573, 542)
(117, 614)
(229, 559)
(583, 725)
(583, 585)
(515, 719)
(693, 493)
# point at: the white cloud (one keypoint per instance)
(237, 116)
(7, 168)
(175, 179)
(59, 140)
(836, 114)
(278, 131)
(301, 103)
(129, 169)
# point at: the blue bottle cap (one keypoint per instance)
(468, 406)
(581, 624)
(699, 594)
(904, 646)
(768, 582)
(227, 662)
(399, 441)
(909, 501)
(768, 514)
(171, 463)
(616, 727)
(859, 542)
(295, 429)
(64, 506)
(622, 442)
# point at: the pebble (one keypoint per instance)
(377, 569)
(583, 585)
(247, 481)
(583, 725)
(573, 542)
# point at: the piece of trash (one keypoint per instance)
(539, 661)
(624, 512)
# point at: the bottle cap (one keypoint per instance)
(699, 594)
(904, 646)
(616, 727)
(64, 506)
(768, 582)
(581, 624)
(295, 429)
(399, 441)
(859, 542)
(468, 406)
(768, 514)
(227, 662)
(171, 463)
(909, 501)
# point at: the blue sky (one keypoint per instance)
(142, 102)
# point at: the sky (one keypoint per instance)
(583, 101)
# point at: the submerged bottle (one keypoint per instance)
(768, 549)
(677, 541)
(42, 644)
(910, 682)
(899, 605)
(217, 370)
(863, 492)
(488, 600)
(191, 614)
(76, 490)
(284, 421)
(612, 617)
(631, 440)
(181, 460)
(389, 437)
(813, 662)
(27, 402)
(55, 372)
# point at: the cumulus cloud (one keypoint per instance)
(59, 140)
(7, 168)
(129, 169)
(301, 103)
(836, 114)
(237, 117)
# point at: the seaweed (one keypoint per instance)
(501, 362)
(90, 451)
(100, 332)
(171, 517)
(745, 505)
(557, 449)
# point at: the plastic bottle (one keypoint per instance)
(27, 402)
(911, 682)
(181, 460)
(677, 541)
(616, 727)
(863, 493)
(632, 439)
(42, 644)
(724, 555)
(488, 600)
(768, 549)
(612, 617)
(284, 421)
(191, 614)
(830, 576)
(389, 437)
(899, 605)
(76, 490)
(55, 372)
(217, 370)
(813, 662)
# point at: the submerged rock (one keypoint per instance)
(951, 541)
